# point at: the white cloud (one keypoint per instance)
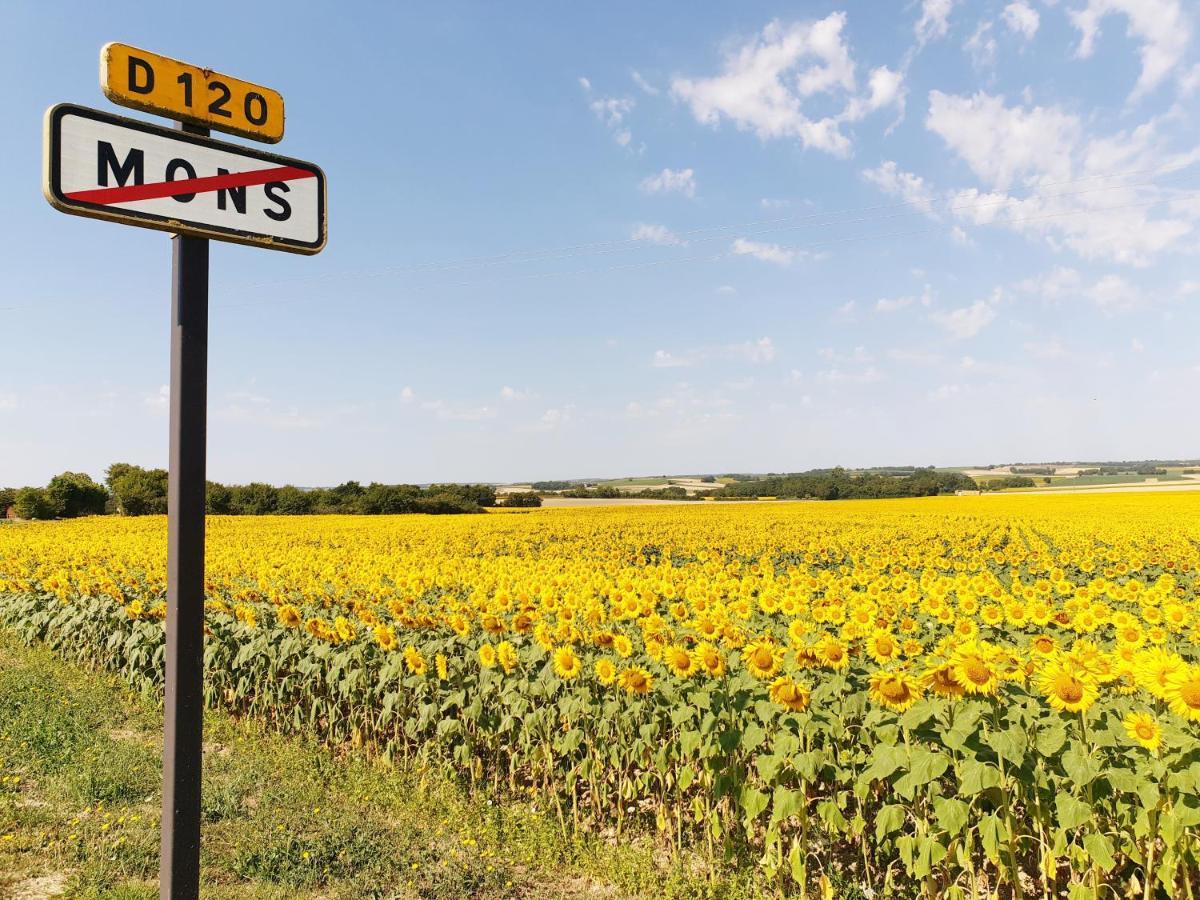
(8, 400)
(758, 352)
(1159, 25)
(585, 83)
(846, 310)
(407, 395)
(646, 86)
(773, 203)
(448, 413)
(765, 83)
(946, 392)
(254, 409)
(1059, 282)
(967, 321)
(891, 179)
(1003, 143)
(555, 417)
(1136, 346)
(935, 20)
(869, 375)
(1022, 19)
(159, 402)
(1046, 350)
(1041, 146)
(512, 394)
(981, 46)
(772, 253)
(1112, 293)
(914, 357)
(895, 304)
(682, 181)
(858, 355)
(612, 112)
(885, 88)
(666, 360)
(657, 234)
(892, 304)
(726, 289)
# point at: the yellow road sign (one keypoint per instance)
(168, 87)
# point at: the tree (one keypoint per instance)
(32, 503)
(477, 494)
(218, 499)
(138, 491)
(7, 497)
(74, 494)
(254, 499)
(524, 499)
(291, 501)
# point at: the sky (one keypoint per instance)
(572, 240)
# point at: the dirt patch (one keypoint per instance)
(42, 888)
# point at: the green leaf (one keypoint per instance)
(786, 802)
(689, 741)
(1051, 739)
(685, 777)
(830, 813)
(1080, 767)
(975, 777)
(888, 820)
(753, 802)
(918, 714)
(885, 759)
(1009, 744)
(752, 736)
(1100, 849)
(951, 813)
(992, 834)
(1071, 812)
(768, 766)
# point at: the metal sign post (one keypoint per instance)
(131, 172)
(183, 722)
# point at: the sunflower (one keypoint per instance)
(606, 672)
(832, 652)
(1067, 688)
(1154, 669)
(763, 658)
(289, 615)
(1143, 729)
(940, 680)
(385, 637)
(882, 647)
(415, 661)
(1183, 692)
(566, 663)
(443, 666)
(636, 680)
(506, 653)
(345, 630)
(973, 665)
(790, 694)
(895, 690)
(710, 659)
(623, 645)
(679, 661)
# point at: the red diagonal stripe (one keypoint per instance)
(131, 192)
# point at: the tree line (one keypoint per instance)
(135, 491)
(838, 484)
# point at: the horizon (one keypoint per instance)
(615, 240)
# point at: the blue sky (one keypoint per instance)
(639, 238)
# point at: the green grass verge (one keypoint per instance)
(80, 778)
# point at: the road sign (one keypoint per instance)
(128, 171)
(168, 87)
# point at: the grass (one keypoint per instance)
(80, 778)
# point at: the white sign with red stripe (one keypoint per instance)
(128, 171)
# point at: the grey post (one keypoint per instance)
(179, 872)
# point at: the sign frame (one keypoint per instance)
(197, 79)
(52, 189)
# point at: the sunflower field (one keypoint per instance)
(958, 697)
